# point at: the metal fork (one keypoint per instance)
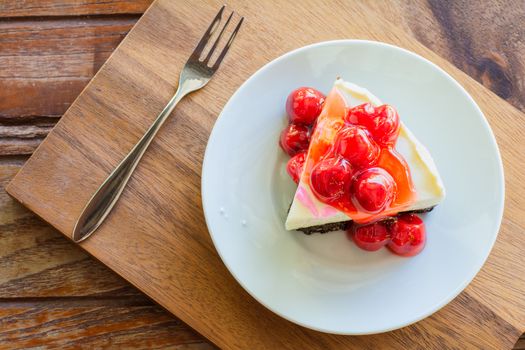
(195, 75)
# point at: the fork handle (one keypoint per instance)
(107, 195)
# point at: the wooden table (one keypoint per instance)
(52, 293)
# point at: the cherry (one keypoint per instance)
(382, 122)
(408, 235)
(373, 190)
(295, 166)
(304, 105)
(295, 138)
(331, 178)
(355, 145)
(370, 237)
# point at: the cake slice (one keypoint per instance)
(420, 186)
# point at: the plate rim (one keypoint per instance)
(454, 293)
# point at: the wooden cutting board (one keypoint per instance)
(156, 236)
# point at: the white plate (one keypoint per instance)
(324, 282)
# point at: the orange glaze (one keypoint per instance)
(329, 122)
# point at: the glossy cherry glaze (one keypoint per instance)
(408, 235)
(382, 122)
(295, 166)
(295, 138)
(330, 178)
(365, 137)
(355, 145)
(370, 237)
(304, 105)
(373, 190)
(352, 165)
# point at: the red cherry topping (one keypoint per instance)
(295, 138)
(304, 105)
(370, 237)
(330, 179)
(408, 235)
(354, 167)
(382, 122)
(374, 190)
(295, 166)
(355, 145)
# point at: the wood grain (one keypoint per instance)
(486, 42)
(45, 64)
(49, 286)
(35, 324)
(23, 137)
(35, 261)
(32, 8)
(520, 344)
(148, 227)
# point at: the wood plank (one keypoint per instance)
(520, 344)
(186, 275)
(48, 284)
(50, 36)
(23, 139)
(43, 67)
(66, 324)
(35, 261)
(15, 146)
(487, 42)
(32, 8)
(45, 64)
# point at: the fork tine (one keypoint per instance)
(218, 38)
(228, 44)
(211, 29)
